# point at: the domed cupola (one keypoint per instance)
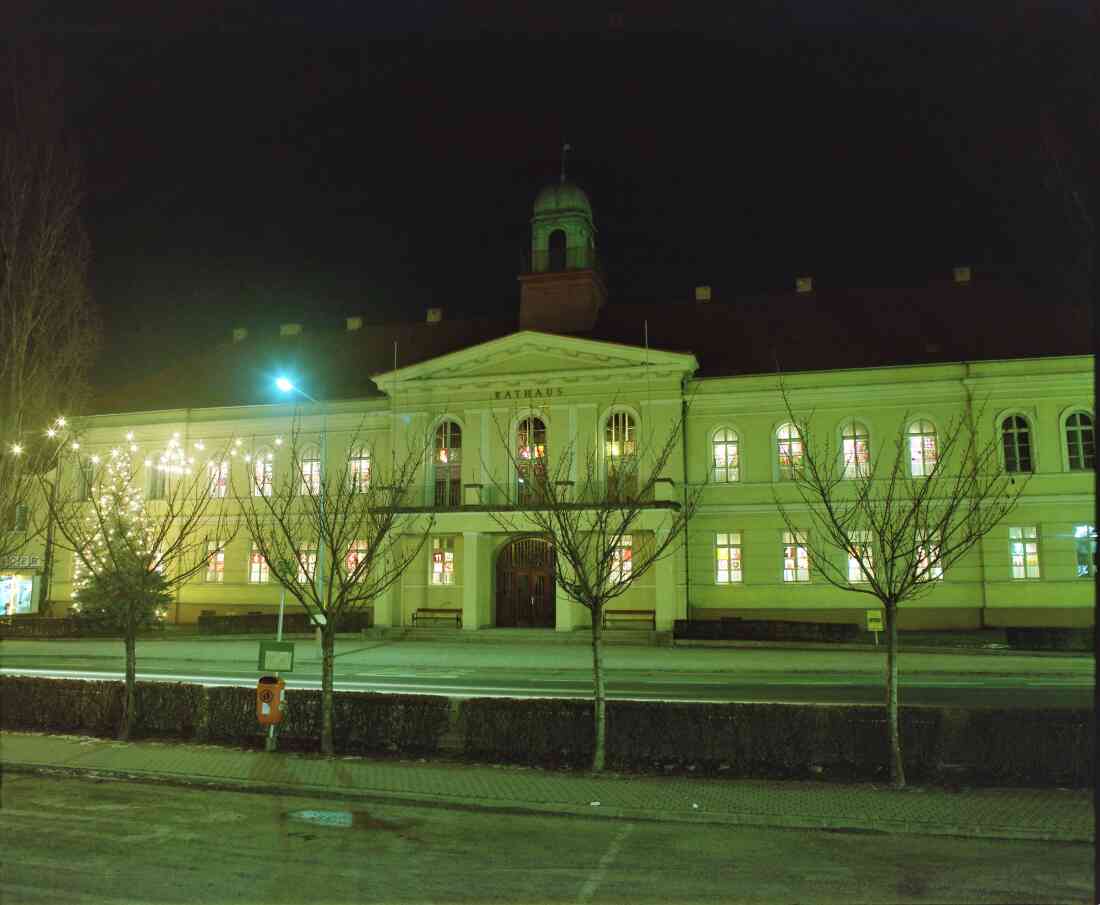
(562, 290)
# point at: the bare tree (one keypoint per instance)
(608, 526)
(132, 552)
(48, 326)
(334, 541)
(889, 526)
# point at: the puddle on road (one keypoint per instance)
(347, 820)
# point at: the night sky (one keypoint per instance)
(329, 161)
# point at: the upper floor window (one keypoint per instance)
(789, 446)
(620, 450)
(855, 444)
(18, 517)
(1085, 539)
(87, 476)
(530, 459)
(219, 478)
(1016, 439)
(923, 449)
(158, 482)
(359, 470)
(1080, 441)
(727, 461)
(310, 467)
(263, 472)
(447, 464)
(556, 249)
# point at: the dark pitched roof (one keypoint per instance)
(822, 330)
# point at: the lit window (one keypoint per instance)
(219, 478)
(359, 471)
(310, 466)
(1080, 442)
(727, 556)
(923, 451)
(620, 448)
(307, 565)
(443, 560)
(796, 558)
(355, 556)
(257, 567)
(263, 472)
(858, 556)
(929, 567)
(1085, 538)
(448, 465)
(18, 516)
(622, 559)
(87, 477)
(727, 463)
(530, 460)
(856, 446)
(215, 562)
(1016, 438)
(790, 451)
(1023, 546)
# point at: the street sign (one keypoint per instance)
(276, 656)
(874, 620)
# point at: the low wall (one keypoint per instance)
(981, 747)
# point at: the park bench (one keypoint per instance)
(649, 616)
(437, 613)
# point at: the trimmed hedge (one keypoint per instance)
(1051, 638)
(295, 622)
(999, 747)
(734, 628)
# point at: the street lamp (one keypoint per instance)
(286, 385)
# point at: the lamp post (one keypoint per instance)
(288, 386)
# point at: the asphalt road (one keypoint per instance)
(127, 843)
(530, 670)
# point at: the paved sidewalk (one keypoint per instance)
(1051, 814)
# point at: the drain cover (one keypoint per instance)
(323, 818)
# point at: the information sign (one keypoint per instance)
(276, 656)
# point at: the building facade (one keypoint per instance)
(553, 380)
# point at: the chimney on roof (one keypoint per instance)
(435, 315)
(290, 329)
(702, 293)
(804, 284)
(355, 323)
(240, 334)
(962, 275)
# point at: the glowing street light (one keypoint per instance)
(285, 385)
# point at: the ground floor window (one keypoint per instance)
(1085, 536)
(215, 562)
(1023, 545)
(257, 567)
(796, 557)
(727, 558)
(443, 560)
(622, 559)
(15, 594)
(858, 556)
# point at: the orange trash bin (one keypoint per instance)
(270, 708)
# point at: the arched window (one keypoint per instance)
(530, 460)
(620, 452)
(447, 464)
(1016, 437)
(218, 473)
(727, 459)
(310, 467)
(789, 447)
(263, 472)
(923, 449)
(1080, 442)
(855, 441)
(557, 250)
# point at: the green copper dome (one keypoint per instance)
(562, 197)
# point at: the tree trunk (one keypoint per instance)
(128, 701)
(897, 771)
(599, 754)
(328, 643)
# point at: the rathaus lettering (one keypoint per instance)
(536, 393)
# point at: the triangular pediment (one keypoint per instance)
(530, 354)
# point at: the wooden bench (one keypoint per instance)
(437, 613)
(649, 616)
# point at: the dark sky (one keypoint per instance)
(322, 159)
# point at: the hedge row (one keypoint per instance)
(294, 622)
(1003, 747)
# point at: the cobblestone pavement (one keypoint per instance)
(1051, 814)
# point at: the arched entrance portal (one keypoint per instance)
(525, 584)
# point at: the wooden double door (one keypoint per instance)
(525, 584)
